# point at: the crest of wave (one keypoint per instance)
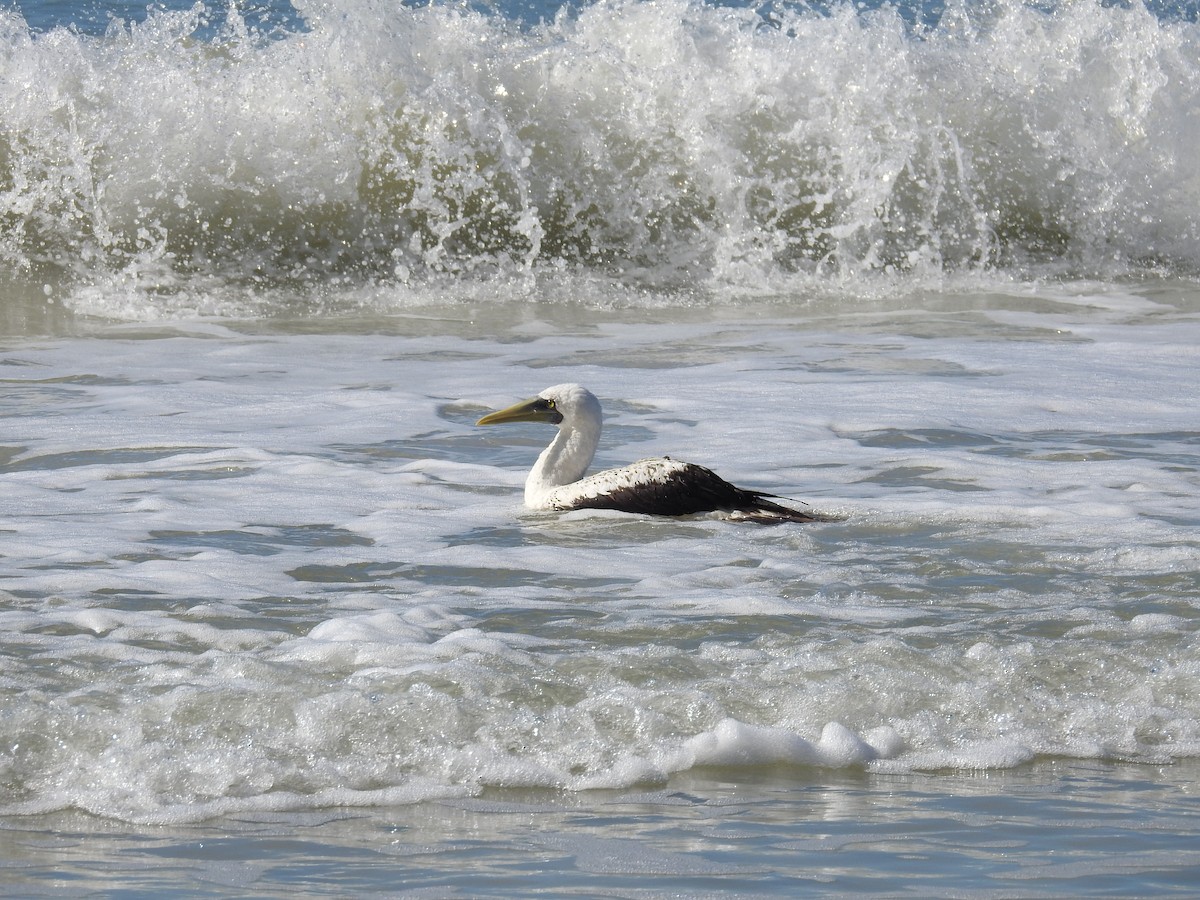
(656, 144)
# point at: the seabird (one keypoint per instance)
(659, 486)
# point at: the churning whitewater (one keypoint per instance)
(378, 156)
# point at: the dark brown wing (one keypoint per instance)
(682, 489)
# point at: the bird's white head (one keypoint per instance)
(576, 412)
(576, 404)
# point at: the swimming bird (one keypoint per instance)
(659, 486)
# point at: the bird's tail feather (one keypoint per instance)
(767, 512)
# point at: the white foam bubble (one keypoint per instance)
(734, 743)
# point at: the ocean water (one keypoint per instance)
(273, 619)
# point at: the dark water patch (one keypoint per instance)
(216, 473)
(941, 438)
(384, 573)
(1177, 448)
(262, 540)
(1180, 449)
(439, 445)
(8, 454)
(584, 529)
(85, 380)
(918, 476)
(113, 457)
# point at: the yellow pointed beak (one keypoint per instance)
(535, 410)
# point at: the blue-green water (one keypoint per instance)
(1052, 830)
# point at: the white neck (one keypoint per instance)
(565, 460)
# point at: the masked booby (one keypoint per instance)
(659, 487)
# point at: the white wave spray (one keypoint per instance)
(661, 145)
